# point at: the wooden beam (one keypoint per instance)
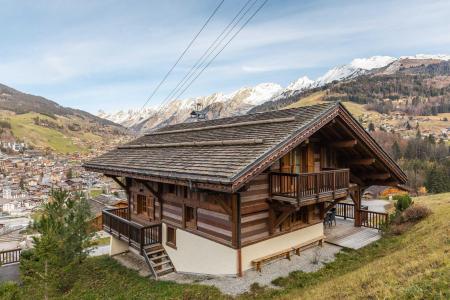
(392, 183)
(355, 195)
(376, 176)
(344, 144)
(234, 219)
(118, 181)
(151, 189)
(362, 161)
(225, 206)
(283, 217)
(356, 180)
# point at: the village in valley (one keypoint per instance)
(26, 179)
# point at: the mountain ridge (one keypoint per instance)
(247, 99)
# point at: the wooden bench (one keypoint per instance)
(259, 261)
(319, 239)
(286, 253)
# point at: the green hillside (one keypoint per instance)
(61, 134)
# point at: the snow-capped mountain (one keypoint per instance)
(242, 100)
(357, 67)
(300, 84)
(127, 118)
(179, 110)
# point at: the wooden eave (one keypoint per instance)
(303, 134)
(207, 185)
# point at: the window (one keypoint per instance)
(189, 217)
(141, 204)
(185, 192)
(172, 189)
(171, 237)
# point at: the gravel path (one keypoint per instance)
(377, 205)
(310, 260)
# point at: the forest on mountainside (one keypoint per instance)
(413, 94)
(424, 159)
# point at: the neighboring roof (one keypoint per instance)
(225, 151)
(99, 203)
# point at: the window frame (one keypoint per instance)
(193, 221)
(171, 243)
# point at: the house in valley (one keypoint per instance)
(100, 203)
(221, 196)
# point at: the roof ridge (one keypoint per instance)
(163, 129)
(245, 123)
(230, 142)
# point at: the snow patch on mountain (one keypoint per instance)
(302, 83)
(373, 62)
(242, 100)
(427, 56)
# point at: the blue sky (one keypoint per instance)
(111, 54)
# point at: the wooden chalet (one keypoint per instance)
(221, 196)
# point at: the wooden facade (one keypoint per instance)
(240, 191)
(256, 212)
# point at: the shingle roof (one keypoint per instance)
(222, 151)
(219, 162)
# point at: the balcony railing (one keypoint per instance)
(138, 236)
(303, 186)
(10, 256)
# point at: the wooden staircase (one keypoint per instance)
(157, 260)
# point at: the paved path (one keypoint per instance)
(376, 204)
(99, 250)
(9, 273)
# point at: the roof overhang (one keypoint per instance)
(178, 179)
(303, 134)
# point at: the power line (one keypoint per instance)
(182, 54)
(205, 54)
(240, 29)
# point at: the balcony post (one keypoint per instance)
(141, 238)
(334, 181)
(270, 184)
(316, 183)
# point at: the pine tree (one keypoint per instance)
(65, 233)
(437, 181)
(408, 126)
(371, 127)
(396, 152)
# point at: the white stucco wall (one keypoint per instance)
(279, 243)
(195, 254)
(117, 246)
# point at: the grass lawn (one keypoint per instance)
(102, 241)
(415, 265)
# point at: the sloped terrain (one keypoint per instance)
(414, 265)
(44, 124)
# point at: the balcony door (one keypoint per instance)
(146, 206)
(295, 161)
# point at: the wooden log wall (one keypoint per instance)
(212, 210)
(255, 210)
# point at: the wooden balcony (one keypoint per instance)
(136, 235)
(307, 188)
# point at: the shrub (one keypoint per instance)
(399, 229)
(402, 202)
(5, 124)
(415, 213)
(9, 290)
